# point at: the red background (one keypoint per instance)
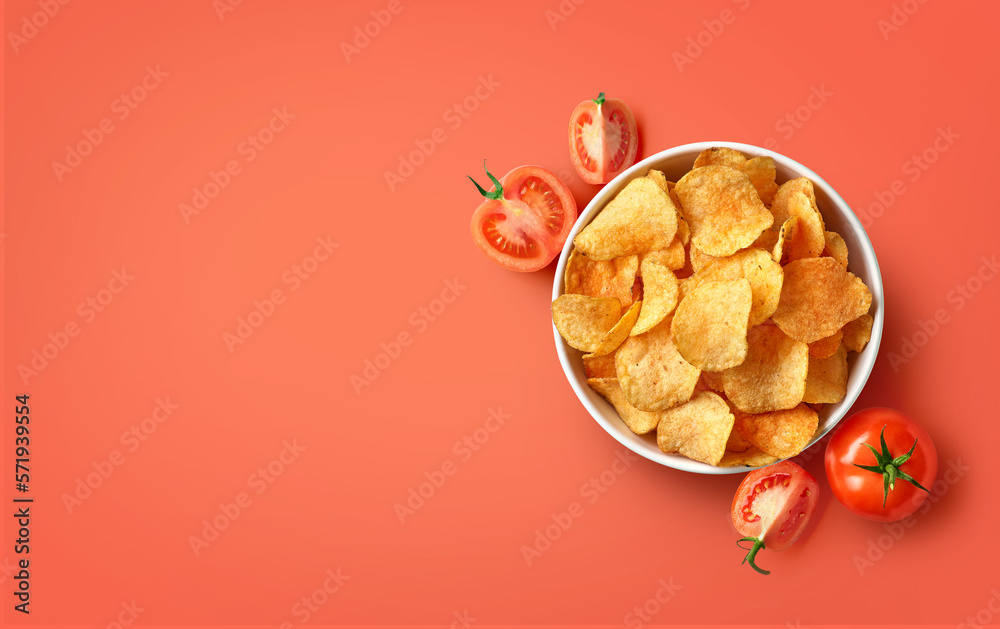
(162, 336)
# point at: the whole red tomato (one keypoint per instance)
(880, 463)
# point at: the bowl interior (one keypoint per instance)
(837, 216)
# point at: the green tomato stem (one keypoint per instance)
(758, 545)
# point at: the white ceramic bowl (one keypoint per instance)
(838, 217)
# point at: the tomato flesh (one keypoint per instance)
(525, 229)
(863, 491)
(603, 139)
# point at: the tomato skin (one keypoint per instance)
(533, 219)
(606, 135)
(862, 491)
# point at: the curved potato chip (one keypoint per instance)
(797, 197)
(858, 332)
(584, 321)
(762, 174)
(710, 323)
(818, 297)
(698, 429)
(710, 381)
(757, 266)
(835, 248)
(786, 235)
(659, 179)
(722, 209)
(737, 443)
(601, 278)
(773, 376)
(659, 287)
(639, 422)
(826, 347)
(720, 156)
(751, 457)
(827, 379)
(619, 332)
(779, 433)
(652, 374)
(699, 258)
(767, 239)
(640, 218)
(600, 366)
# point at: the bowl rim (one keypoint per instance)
(865, 361)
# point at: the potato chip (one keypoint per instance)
(762, 174)
(699, 258)
(751, 457)
(659, 179)
(779, 433)
(858, 332)
(773, 376)
(600, 366)
(640, 218)
(798, 198)
(737, 443)
(757, 266)
(835, 248)
(722, 209)
(826, 347)
(767, 239)
(619, 332)
(720, 156)
(787, 234)
(659, 287)
(818, 297)
(584, 321)
(827, 379)
(652, 374)
(698, 429)
(711, 381)
(639, 422)
(710, 323)
(601, 278)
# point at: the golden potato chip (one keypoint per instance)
(786, 235)
(762, 174)
(779, 433)
(600, 366)
(639, 422)
(757, 266)
(720, 156)
(751, 457)
(699, 258)
(798, 198)
(652, 374)
(711, 381)
(826, 347)
(659, 179)
(659, 287)
(835, 248)
(584, 321)
(767, 239)
(698, 429)
(818, 297)
(736, 443)
(619, 332)
(601, 278)
(827, 379)
(722, 209)
(773, 376)
(858, 332)
(710, 323)
(640, 218)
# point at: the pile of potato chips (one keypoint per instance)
(717, 311)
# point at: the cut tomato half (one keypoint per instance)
(603, 140)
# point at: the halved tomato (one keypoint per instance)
(525, 218)
(603, 140)
(772, 507)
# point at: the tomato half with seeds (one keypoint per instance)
(880, 464)
(525, 218)
(772, 507)
(603, 140)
